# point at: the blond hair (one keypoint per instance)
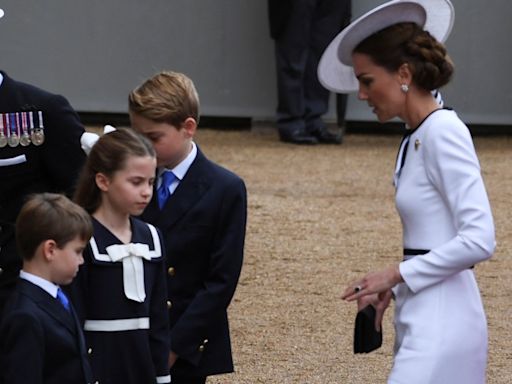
(168, 97)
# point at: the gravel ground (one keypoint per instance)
(319, 217)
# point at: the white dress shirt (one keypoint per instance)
(48, 286)
(179, 171)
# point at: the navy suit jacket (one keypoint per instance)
(41, 342)
(51, 167)
(203, 224)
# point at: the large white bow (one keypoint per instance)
(88, 139)
(133, 268)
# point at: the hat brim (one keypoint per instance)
(335, 70)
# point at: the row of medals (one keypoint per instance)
(36, 137)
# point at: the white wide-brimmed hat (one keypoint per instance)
(335, 70)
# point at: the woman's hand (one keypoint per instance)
(374, 282)
(380, 302)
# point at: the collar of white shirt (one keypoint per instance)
(48, 286)
(181, 169)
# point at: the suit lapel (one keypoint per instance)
(194, 185)
(48, 304)
(78, 327)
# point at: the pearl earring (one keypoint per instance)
(405, 88)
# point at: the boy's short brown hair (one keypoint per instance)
(168, 97)
(50, 216)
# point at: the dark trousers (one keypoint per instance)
(341, 108)
(187, 379)
(309, 28)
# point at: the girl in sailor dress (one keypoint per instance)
(120, 291)
(440, 324)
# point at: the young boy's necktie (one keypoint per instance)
(163, 191)
(63, 299)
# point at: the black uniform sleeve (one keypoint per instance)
(63, 157)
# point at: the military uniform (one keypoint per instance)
(49, 162)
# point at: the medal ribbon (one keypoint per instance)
(13, 124)
(2, 124)
(40, 115)
(31, 121)
(24, 125)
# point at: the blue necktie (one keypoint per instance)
(163, 191)
(63, 299)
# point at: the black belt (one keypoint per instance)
(415, 252)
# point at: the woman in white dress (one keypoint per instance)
(396, 56)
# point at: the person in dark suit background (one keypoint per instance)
(46, 158)
(201, 210)
(302, 29)
(42, 341)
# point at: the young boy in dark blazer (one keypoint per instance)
(201, 210)
(41, 340)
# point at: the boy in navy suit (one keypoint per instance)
(42, 341)
(201, 209)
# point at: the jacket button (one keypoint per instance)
(1, 270)
(89, 351)
(171, 271)
(201, 347)
(169, 304)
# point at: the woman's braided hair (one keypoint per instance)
(401, 43)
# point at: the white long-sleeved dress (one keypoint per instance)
(440, 324)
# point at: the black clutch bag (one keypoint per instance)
(366, 337)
